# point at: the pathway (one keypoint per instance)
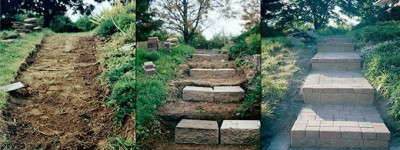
(338, 110)
(205, 101)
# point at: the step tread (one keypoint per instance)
(318, 82)
(197, 124)
(336, 57)
(361, 122)
(212, 82)
(197, 88)
(228, 89)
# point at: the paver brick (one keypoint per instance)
(192, 93)
(210, 57)
(201, 73)
(223, 73)
(228, 93)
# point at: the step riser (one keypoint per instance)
(335, 48)
(328, 66)
(212, 73)
(338, 40)
(338, 143)
(210, 58)
(197, 132)
(338, 98)
(248, 133)
(214, 95)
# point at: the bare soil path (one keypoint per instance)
(62, 106)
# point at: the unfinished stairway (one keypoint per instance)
(338, 110)
(210, 95)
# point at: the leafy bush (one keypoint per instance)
(247, 43)
(379, 32)
(84, 24)
(382, 69)
(162, 35)
(330, 31)
(120, 18)
(200, 42)
(62, 23)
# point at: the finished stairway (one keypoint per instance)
(207, 105)
(338, 110)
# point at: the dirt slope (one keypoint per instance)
(61, 107)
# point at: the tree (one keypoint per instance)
(188, 16)
(144, 20)
(48, 8)
(251, 14)
(270, 9)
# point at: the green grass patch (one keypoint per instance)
(12, 55)
(152, 90)
(278, 66)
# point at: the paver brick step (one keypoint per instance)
(335, 47)
(339, 87)
(338, 40)
(197, 132)
(336, 61)
(216, 94)
(240, 132)
(210, 57)
(213, 73)
(339, 126)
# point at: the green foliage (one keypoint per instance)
(120, 18)
(152, 90)
(62, 23)
(331, 31)
(378, 32)
(119, 76)
(84, 24)
(248, 43)
(253, 97)
(200, 42)
(382, 69)
(117, 143)
(162, 35)
(145, 23)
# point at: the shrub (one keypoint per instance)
(330, 31)
(62, 23)
(106, 27)
(379, 32)
(382, 69)
(85, 24)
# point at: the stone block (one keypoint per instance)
(350, 132)
(240, 132)
(197, 132)
(150, 71)
(201, 73)
(223, 73)
(153, 43)
(378, 144)
(228, 94)
(330, 132)
(193, 93)
(149, 65)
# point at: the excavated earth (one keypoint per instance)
(61, 106)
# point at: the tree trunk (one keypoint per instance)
(186, 33)
(46, 17)
(317, 25)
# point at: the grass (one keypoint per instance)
(278, 67)
(152, 90)
(13, 54)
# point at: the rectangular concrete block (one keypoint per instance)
(328, 66)
(192, 93)
(201, 73)
(338, 40)
(228, 94)
(224, 73)
(197, 132)
(240, 132)
(381, 144)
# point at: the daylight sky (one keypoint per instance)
(98, 8)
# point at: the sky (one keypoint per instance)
(228, 26)
(97, 10)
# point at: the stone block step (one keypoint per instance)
(210, 57)
(245, 132)
(212, 73)
(336, 61)
(228, 94)
(338, 40)
(339, 126)
(335, 47)
(197, 132)
(216, 94)
(193, 93)
(339, 87)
